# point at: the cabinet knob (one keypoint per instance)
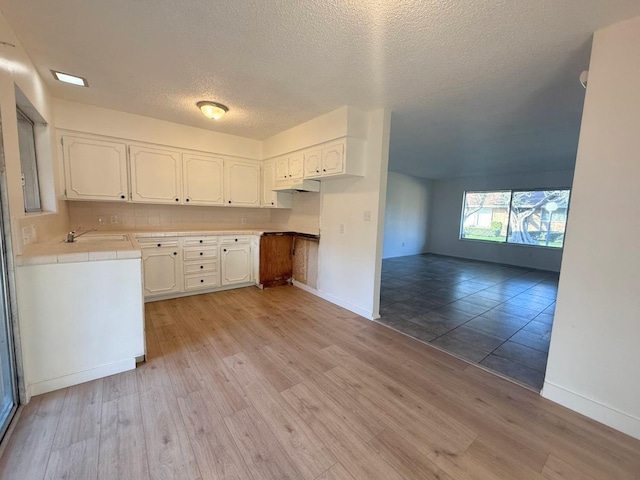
(177, 199)
(159, 244)
(188, 199)
(224, 250)
(229, 201)
(201, 266)
(272, 203)
(200, 241)
(324, 169)
(201, 281)
(236, 239)
(201, 253)
(317, 171)
(123, 197)
(175, 253)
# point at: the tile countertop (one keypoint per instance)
(62, 252)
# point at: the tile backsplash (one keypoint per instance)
(117, 216)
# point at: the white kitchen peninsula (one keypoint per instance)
(81, 311)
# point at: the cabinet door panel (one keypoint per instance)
(242, 183)
(202, 177)
(268, 182)
(312, 164)
(95, 169)
(162, 271)
(236, 264)
(333, 160)
(282, 169)
(155, 175)
(296, 166)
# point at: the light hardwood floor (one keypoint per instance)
(278, 384)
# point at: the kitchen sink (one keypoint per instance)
(102, 237)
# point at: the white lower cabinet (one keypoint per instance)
(161, 266)
(236, 261)
(200, 256)
(174, 267)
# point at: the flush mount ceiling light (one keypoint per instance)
(212, 109)
(68, 78)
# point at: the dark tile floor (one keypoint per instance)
(496, 315)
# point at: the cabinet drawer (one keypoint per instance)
(201, 281)
(236, 240)
(197, 253)
(200, 267)
(196, 241)
(158, 242)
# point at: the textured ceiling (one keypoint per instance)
(475, 86)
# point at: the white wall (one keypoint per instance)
(447, 208)
(408, 209)
(102, 121)
(321, 129)
(349, 263)
(594, 361)
(16, 69)
(303, 216)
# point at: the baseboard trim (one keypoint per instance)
(57, 383)
(330, 298)
(592, 409)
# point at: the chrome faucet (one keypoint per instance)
(71, 236)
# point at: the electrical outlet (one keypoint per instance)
(243, 220)
(367, 215)
(102, 219)
(113, 219)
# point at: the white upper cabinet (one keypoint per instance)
(156, 175)
(95, 169)
(339, 158)
(290, 167)
(313, 163)
(271, 199)
(296, 166)
(242, 183)
(282, 169)
(202, 179)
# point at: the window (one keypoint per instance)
(29, 164)
(524, 217)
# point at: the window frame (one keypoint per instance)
(37, 189)
(511, 192)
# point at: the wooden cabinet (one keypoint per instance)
(235, 257)
(162, 267)
(271, 199)
(242, 183)
(275, 259)
(95, 169)
(202, 179)
(290, 167)
(156, 175)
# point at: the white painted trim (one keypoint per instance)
(330, 298)
(80, 377)
(592, 409)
